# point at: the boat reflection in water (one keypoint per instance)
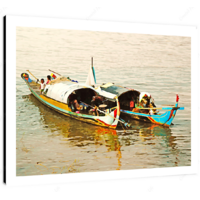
(116, 149)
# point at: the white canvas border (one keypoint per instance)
(14, 21)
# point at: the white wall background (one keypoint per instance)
(149, 11)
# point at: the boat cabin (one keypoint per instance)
(82, 98)
(124, 94)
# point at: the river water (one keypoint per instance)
(48, 142)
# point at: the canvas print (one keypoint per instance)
(91, 101)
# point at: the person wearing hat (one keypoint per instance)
(144, 95)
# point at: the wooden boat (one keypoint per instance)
(124, 95)
(60, 95)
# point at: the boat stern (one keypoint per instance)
(172, 112)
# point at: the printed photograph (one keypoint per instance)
(90, 101)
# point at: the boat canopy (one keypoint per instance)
(114, 89)
(61, 91)
(124, 94)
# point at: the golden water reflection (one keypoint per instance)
(75, 133)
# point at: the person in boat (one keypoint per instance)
(145, 98)
(48, 80)
(42, 86)
(144, 95)
(77, 106)
(148, 102)
(96, 100)
(153, 111)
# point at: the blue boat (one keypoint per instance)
(124, 95)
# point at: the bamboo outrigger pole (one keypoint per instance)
(32, 75)
(55, 72)
(162, 108)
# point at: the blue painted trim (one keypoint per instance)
(135, 113)
(94, 74)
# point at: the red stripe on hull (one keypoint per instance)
(155, 122)
(115, 113)
(106, 124)
(170, 115)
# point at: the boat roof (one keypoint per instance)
(61, 91)
(114, 89)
